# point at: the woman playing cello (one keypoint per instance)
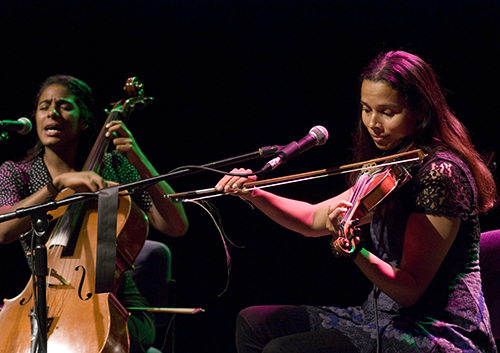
(425, 270)
(64, 125)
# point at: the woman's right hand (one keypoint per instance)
(79, 181)
(234, 185)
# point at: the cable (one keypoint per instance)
(211, 210)
(375, 311)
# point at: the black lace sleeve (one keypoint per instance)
(444, 187)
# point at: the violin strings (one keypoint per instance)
(358, 188)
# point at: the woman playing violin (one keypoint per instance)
(65, 125)
(425, 270)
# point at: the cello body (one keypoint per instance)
(79, 320)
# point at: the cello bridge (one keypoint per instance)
(53, 274)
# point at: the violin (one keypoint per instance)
(372, 187)
(78, 318)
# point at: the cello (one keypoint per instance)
(78, 318)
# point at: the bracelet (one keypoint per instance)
(52, 188)
(356, 251)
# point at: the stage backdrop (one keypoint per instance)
(228, 77)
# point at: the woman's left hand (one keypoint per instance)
(335, 214)
(165, 216)
(124, 141)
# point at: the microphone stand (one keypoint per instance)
(146, 183)
(82, 197)
(262, 153)
(40, 223)
(39, 323)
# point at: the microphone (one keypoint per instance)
(22, 126)
(317, 136)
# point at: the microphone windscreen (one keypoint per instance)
(321, 134)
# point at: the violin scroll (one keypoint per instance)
(346, 246)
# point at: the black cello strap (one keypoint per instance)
(107, 211)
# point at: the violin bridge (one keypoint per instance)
(402, 173)
(369, 167)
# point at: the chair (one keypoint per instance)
(165, 329)
(153, 350)
(152, 275)
(489, 258)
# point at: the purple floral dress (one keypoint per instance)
(451, 316)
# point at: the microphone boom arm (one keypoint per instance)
(410, 156)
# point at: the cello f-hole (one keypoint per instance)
(89, 295)
(25, 301)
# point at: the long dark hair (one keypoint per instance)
(417, 82)
(84, 100)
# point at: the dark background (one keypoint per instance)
(228, 77)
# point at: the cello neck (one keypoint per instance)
(135, 92)
(95, 158)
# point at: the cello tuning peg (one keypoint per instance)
(143, 103)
